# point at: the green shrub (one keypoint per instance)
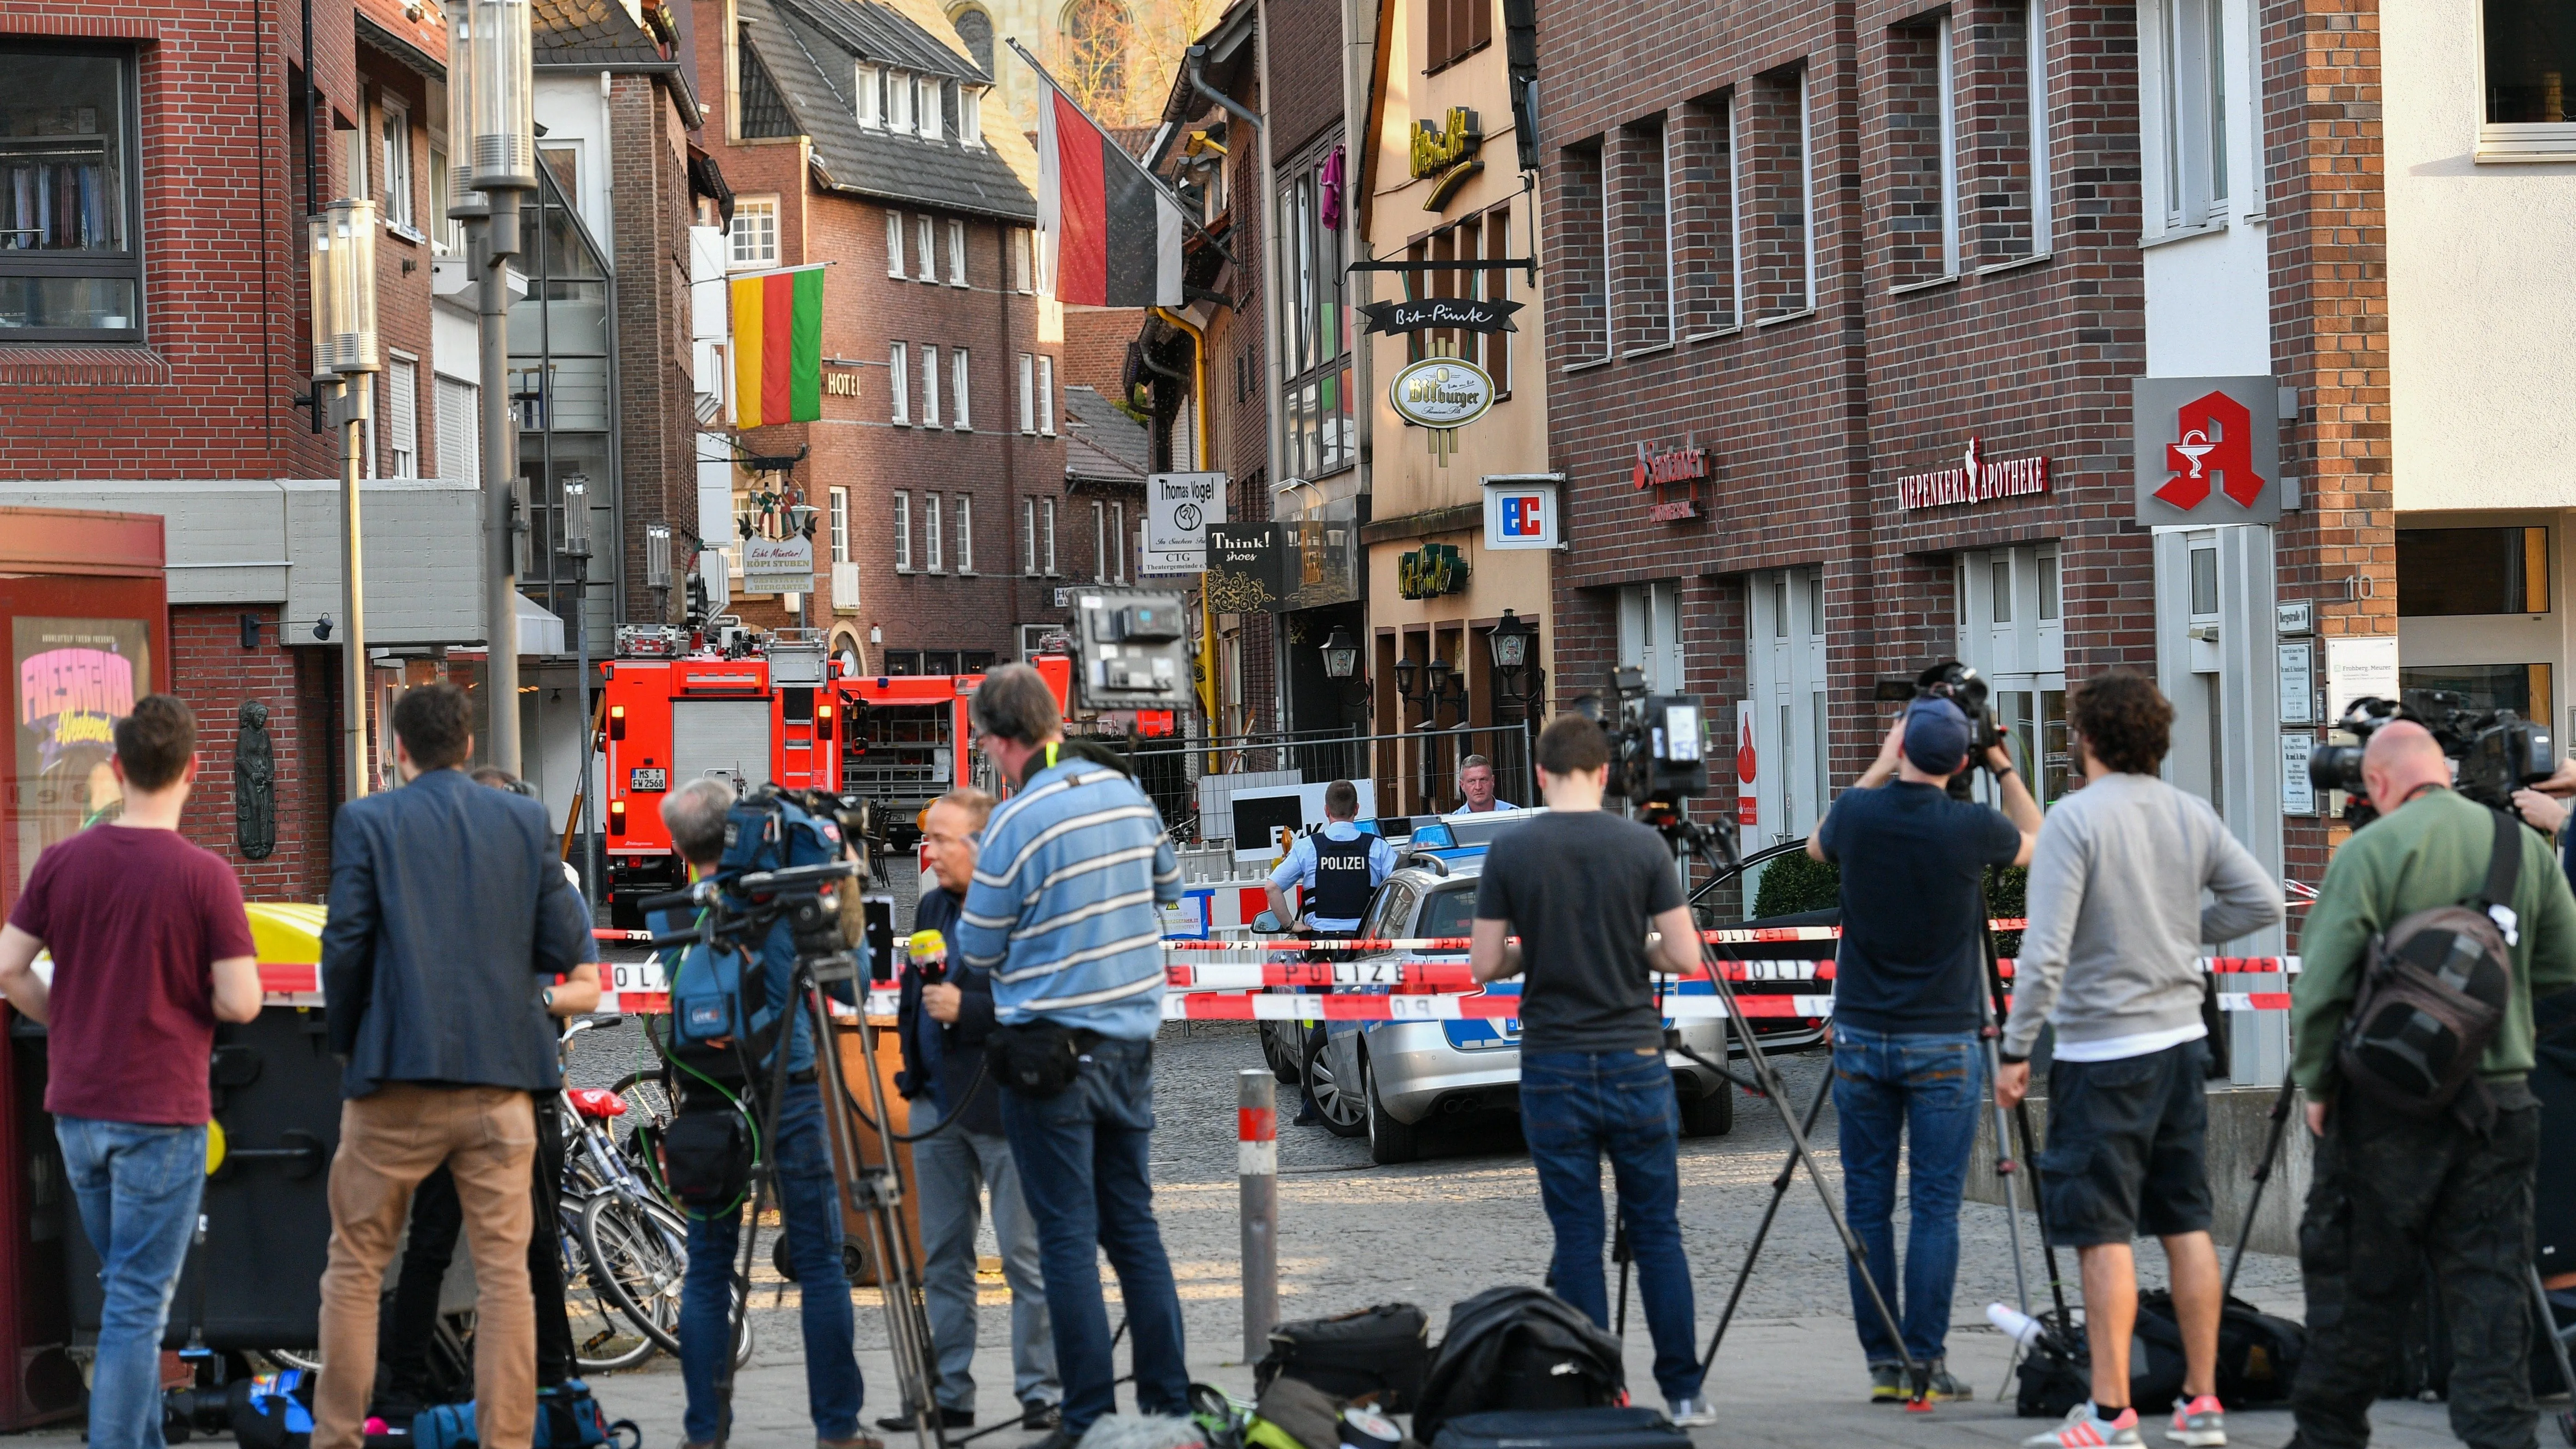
(1794, 883)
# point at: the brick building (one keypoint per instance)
(1828, 283)
(856, 133)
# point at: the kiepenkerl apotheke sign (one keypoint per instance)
(1977, 479)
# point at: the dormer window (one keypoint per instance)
(929, 106)
(899, 101)
(871, 96)
(970, 115)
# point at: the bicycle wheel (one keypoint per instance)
(648, 1103)
(604, 1337)
(639, 1261)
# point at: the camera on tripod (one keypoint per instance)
(1962, 686)
(2493, 752)
(1659, 758)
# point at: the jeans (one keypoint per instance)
(1082, 1158)
(1577, 1107)
(137, 1187)
(1925, 1088)
(955, 1169)
(810, 1211)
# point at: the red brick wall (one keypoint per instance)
(1095, 348)
(1305, 55)
(402, 265)
(657, 444)
(216, 676)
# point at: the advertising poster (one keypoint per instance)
(76, 678)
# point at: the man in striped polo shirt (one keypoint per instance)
(1062, 912)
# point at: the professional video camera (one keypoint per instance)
(2494, 752)
(1962, 686)
(739, 904)
(1658, 758)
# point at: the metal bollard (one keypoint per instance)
(1257, 1167)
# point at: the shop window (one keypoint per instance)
(2446, 571)
(70, 263)
(2522, 688)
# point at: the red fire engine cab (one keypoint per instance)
(765, 708)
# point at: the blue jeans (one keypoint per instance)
(954, 1169)
(1577, 1107)
(810, 1208)
(137, 1187)
(1927, 1088)
(1082, 1159)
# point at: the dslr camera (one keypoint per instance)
(2493, 752)
(1964, 687)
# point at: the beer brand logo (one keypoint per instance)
(2215, 450)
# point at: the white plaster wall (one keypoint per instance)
(2209, 308)
(573, 113)
(2481, 280)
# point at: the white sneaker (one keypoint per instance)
(2083, 1431)
(1690, 1413)
(2199, 1423)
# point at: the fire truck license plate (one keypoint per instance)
(645, 781)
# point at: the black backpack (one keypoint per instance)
(2433, 993)
(2258, 1353)
(1518, 1348)
(1380, 1351)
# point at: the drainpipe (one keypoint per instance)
(1198, 349)
(1198, 82)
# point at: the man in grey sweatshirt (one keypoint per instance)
(2111, 957)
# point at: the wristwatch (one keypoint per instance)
(550, 998)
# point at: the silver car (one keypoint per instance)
(1394, 1079)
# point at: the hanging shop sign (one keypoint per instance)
(1441, 392)
(1178, 509)
(777, 565)
(1444, 154)
(2208, 450)
(1431, 571)
(1977, 479)
(1685, 467)
(1520, 510)
(1247, 567)
(1467, 314)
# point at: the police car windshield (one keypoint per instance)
(1450, 912)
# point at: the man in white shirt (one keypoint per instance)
(1476, 787)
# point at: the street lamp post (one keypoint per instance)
(576, 551)
(341, 273)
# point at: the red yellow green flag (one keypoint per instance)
(778, 347)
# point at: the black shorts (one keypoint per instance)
(2127, 1147)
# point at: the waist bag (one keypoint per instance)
(2433, 994)
(1036, 1058)
(706, 1155)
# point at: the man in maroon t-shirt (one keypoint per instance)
(150, 949)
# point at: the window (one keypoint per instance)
(976, 29)
(1314, 345)
(899, 100)
(957, 254)
(2191, 96)
(1118, 541)
(1099, 542)
(960, 411)
(899, 380)
(871, 96)
(840, 525)
(1028, 394)
(925, 232)
(1029, 537)
(1097, 34)
(446, 234)
(397, 132)
(932, 101)
(965, 533)
(970, 114)
(1584, 313)
(931, 555)
(902, 532)
(1459, 28)
(70, 268)
(460, 433)
(755, 231)
(894, 242)
(2445, 571)
(1647, 274)
(1046, 401)
(1023, 273)
(353, 155)
(2035, 66)
(1047, 517)
(1806, 159)
(402, 413)
(1945, 71)
(929, 386)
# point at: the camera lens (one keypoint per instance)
(2336, 767)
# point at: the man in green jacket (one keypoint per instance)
(2391, 1192)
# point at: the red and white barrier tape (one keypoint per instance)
(1454, 975)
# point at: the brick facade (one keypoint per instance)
(216, 676)
(657, 438)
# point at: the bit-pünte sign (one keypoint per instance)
(1467, 314)
(1978, 479)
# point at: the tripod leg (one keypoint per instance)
(1620, 1255)
(2281, 1111)
(1779, 1190)
(2006, 1168)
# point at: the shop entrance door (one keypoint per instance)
(2012, 630)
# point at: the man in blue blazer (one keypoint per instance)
(451, 923)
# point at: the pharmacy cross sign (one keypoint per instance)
(2208, 450)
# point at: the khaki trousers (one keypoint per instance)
(389, 1141)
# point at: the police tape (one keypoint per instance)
(1725, 936)
(1455, 975)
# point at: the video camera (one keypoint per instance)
(1962, 686)
(1658, 758)
(2493, 752)
(738, 906)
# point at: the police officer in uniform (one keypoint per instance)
(1339, 867)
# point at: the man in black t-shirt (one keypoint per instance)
(1908, 1006)
(1581, 888)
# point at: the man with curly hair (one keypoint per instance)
(2112, 957)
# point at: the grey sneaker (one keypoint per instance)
(1887, 1383)
(2199, 1423)
(1688, 1412)
(2083, 1431)
(1945, 1386)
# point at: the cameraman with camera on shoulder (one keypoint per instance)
(2449, 1179)
(1909, 993)
(713, 1077)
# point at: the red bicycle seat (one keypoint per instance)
(597, 1102)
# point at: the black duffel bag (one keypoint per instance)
(2258, 1353)
(1379, 1351)
(1602, 1428)
(1518, 1349)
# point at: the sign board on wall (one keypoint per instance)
(2298, 683)
(2208, 451)
(1748, 798)
(2359, 667)
(1178, 509)
(777, 565)
(1247, 567)
(2298, 793)
(1520, 510)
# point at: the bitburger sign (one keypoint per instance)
(1976, 480)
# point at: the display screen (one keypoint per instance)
(1681, 732)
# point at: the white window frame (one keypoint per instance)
(902, 532)
(899, 101)
(460, 434)
(1046, 398)
(2184, 113)
(927, 107)
(1023, 260)
(870, 104)
(929, 385)
(899, 387)
(1099, 542)
(970, 116)
(894, 243)
(957, 253)
(931, 543)
(402, 413)
(355, 143)
(960, 391)
(925, 235)
(2514, 141)
(965, 531)
(840, 524)
(395, 128)
(2035, 50)
(1028, 395)
(1118, 535)
(1735, 209)
(1946, 88)
(755, 220)
(1049, 518)
(1029, 537)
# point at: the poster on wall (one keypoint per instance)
(76, 679)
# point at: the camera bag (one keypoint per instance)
(1381, 1351)
(706, 1154)
(2433, 993)
(1604, 1427)
(1518, 1348)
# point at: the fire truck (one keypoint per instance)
(753, 708)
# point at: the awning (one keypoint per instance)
(540, 632)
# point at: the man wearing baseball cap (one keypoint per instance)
(1908, 1005)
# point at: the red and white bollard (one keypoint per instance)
(1257, 1171)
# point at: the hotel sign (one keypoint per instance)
(1977, 479)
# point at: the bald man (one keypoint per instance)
(2392, 1192)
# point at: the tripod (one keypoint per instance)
(1702, 842)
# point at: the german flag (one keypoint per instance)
(778, 347)
(1117, 232)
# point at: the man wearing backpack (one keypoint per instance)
(2400, 1182)
(709, 1006)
